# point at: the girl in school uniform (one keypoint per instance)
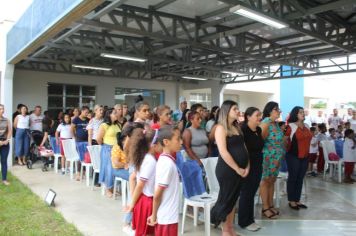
(63, 132)
(349, 155)
(142, 152)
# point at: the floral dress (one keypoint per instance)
(273, 150)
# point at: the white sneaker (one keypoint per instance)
(253, 227)
(128, 230)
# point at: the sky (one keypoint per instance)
(12, 9)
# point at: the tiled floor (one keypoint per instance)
(332, 208)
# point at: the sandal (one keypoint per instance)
(274, 210)
(271, 216)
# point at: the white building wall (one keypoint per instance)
(247, 99)
(30, 87)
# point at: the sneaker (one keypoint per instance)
(253, 227)
(63, 172)
(128, 230)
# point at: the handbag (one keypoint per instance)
(87, 158)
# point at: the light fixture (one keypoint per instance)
(123, 57)
(257, 16)
(91, 67)
(49, 199)
(194, 78)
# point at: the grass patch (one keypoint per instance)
(24, 213)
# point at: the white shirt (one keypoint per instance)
(353, 124)
(147, 174)
(314, 149)
(308, 120)
(321, 137)
(209, 125)
(65, 131)
(319, 120)
(94, 125)
(349, 154)
(36, 122)
(347, 118)
(23, 122)
(167, 177)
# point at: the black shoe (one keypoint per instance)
(294, 207)
(98, 185)
(302, 206)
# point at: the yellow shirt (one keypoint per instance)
(117, 155)
(110, 133)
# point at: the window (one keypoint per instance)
(202, 98)
(62, 97)
(128, 95)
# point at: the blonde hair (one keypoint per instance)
(97, 106)
(224, 118)
(117, 106)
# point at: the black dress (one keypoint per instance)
(254, 143)
(229, 180)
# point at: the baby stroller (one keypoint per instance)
(39, 153)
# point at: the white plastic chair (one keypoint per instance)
(205, 200)
(124, 190)
(210, 166)
(329, 147)
(57, 156)
(88, 167)
(94, 152)
(71, 154)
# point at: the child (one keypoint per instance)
(321, 137)
(313, 151)
(340, 132)
(332, 134)
(63, 132)
(142, 152)
(165, 211)
(349, 155)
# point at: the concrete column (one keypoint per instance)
(291, 92)
(217, 93)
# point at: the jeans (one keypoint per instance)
(54, 146)
(106, 171)
(297, 167)
(4, 153)
(121, 173)
(22, 142)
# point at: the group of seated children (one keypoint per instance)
(343, 134)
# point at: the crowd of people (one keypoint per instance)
(140, 145)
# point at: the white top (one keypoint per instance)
(147, 174)
(321, 137)
(23, 122)
(353, 124)
(94, 125)
(347, 118)
(349, 154)
(167, 177)
(308, 120)
(209, 125)
(36, 122)
(319, 120)
(314, 149)
(65, 131)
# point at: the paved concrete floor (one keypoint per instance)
(332, 208)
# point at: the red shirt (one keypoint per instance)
(299, 144)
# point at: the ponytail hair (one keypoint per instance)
(140, 142)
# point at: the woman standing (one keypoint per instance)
(232, 166)
(120, 115)
(5, 137)
(254, 144)
(273, 151)
(299, 137)
(107, 136)
(94, 124)
(22, 137)
(195, 139)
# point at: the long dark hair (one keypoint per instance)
(212, 116)
(249, 112)
(268, 109)
(293, 115)
(140, 141)
(107, 118)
